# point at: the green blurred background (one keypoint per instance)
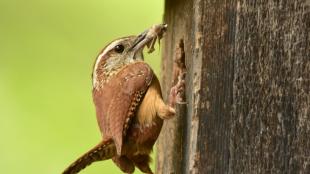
(47, 49)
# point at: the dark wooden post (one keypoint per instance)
(247, 87)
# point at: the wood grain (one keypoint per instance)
(247, 87)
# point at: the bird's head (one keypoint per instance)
(124, 51)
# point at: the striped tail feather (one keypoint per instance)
(103, 151)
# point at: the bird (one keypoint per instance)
(129, 105)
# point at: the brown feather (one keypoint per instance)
(116, 101)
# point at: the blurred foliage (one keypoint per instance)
(47, 50)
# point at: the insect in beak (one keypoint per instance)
(148, 38)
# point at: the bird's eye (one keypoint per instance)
(119, 48)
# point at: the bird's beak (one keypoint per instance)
(148, 38)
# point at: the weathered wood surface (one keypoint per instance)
(247, 87)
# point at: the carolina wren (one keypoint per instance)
(129, 105)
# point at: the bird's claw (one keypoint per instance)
(177, 92)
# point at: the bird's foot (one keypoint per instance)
(177, 92)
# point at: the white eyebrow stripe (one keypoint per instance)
(108, 48)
